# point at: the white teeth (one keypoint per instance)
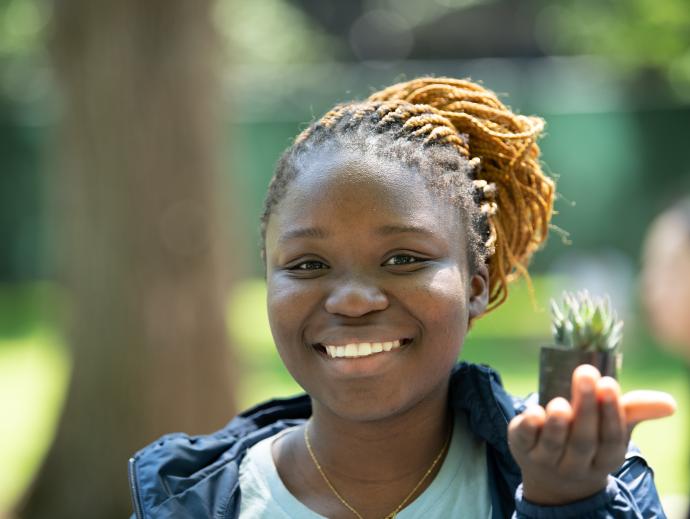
(362, 349)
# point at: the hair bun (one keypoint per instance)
(516, 195)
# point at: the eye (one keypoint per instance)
(402, 259)
(308, 266)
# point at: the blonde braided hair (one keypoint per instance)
(497, 149)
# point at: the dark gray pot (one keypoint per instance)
(556, 366)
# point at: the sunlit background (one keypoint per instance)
(612, 80)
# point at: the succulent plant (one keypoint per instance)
(586, 323)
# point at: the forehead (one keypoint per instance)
(350, 190)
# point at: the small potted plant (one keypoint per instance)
(585, 331)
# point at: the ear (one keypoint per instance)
(479, 292)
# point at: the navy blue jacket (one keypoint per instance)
(197, 477)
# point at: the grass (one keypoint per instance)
(34, 372)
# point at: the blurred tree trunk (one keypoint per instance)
(142, 251)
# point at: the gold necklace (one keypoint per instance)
(348, 505)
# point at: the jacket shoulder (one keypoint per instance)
(184, 473)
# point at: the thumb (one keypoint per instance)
(643, 405)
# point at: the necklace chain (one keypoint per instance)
(344, 501)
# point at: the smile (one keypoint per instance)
(361, 349)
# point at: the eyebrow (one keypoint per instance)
(385, 230)
(304, 232)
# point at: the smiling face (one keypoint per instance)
(363, 258)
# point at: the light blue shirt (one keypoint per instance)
(460, 488)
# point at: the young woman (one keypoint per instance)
(389, 226)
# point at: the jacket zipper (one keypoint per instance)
(136, 499)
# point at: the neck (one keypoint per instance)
(395, 448)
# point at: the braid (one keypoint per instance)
(468, 145)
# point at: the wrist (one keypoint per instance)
(589, 507)
(542, 495)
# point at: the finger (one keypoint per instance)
(554, 434)
(523, 430)
(584, 430)
(612, 427)
(643, 405)
(584, 376)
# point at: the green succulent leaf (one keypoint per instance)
(556, 312)
(568, 335)
(615, 337)
(597, 321)
(584, 322)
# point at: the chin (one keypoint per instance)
(360, 406)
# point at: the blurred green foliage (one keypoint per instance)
(635, 34)
(21, 24)
(271, 32)
(34, 373)
(283, 70)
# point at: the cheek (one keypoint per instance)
(286, 313)
(286, 307)
(448, 290)
(443, 301)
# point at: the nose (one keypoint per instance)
(355, 298)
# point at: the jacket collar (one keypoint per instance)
(197, 476)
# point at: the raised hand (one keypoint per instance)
(567, 450)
